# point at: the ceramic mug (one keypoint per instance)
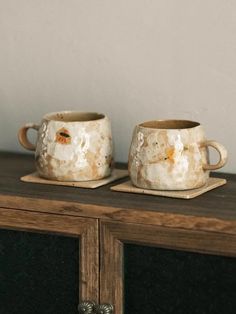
(171, 155)
(71, 146)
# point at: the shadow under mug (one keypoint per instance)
(71, 146)
(171, 155)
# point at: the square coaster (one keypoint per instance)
(212, 183)
(115, 175)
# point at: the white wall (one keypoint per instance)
(135, 60)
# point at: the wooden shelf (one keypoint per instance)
(213, 211)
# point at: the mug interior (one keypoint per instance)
(72, 116)
(169, 124)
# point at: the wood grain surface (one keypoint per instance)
(114, 235)
(105, 220)
(111, 269)
(213, 211)
(84, 228)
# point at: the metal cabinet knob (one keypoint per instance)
(104, 309)
(86, 307)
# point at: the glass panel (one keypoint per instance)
(38, 273)
(168, 281)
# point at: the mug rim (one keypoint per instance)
(171, 124)
(55, 116)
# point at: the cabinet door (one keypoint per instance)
(149, 269)
(48, 263)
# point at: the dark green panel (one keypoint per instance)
(39, 273)
(162, 281)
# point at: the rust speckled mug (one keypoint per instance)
(171, 155)
(71, 146)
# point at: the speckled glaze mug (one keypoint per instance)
(71, 146)
(171, 155)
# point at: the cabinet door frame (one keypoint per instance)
(114, 235)
(86, 229)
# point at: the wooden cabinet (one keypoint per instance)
(153, 269)
(42, 248)
(138, 253)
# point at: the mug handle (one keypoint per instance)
(221, 150)
(22, 135)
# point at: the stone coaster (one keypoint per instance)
(187, 194)
(115, 175)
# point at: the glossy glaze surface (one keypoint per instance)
(168, 159)
(74, 150)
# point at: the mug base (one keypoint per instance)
(74, 177)
(149, 186)
(67, 179)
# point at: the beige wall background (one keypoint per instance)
(135, 60)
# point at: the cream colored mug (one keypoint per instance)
(71, 146)
(171, 155)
